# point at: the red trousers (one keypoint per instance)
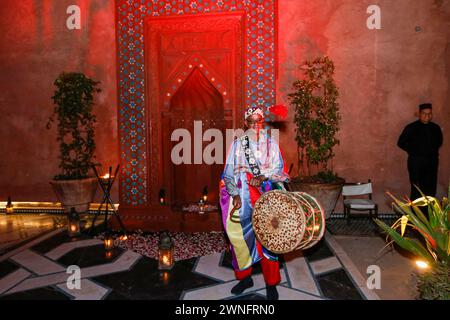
(270, 269)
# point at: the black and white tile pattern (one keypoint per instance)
(37, 270)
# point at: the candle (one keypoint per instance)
(9, 206)
(109, 243)
(162, 196)
(201, 207)
(205, 193)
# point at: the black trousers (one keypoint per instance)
(423, 173)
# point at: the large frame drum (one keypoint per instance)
(285, 221)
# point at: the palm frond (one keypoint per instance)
(406, 243)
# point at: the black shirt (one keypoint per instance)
(419, 139)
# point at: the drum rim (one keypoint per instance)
(313, 241)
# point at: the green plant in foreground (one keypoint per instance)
(434, 250)
(435, 229)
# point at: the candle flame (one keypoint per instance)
(106, 176)
(165, 259)
(108, 243)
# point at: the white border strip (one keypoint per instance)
(348, 264)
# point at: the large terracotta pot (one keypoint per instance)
(327, 194)
(75, 193)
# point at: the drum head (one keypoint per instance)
(278, 221)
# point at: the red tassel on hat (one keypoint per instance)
(279, 110)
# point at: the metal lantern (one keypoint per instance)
(205, 194)
(162, 197)
(108, 241)
(165, 252)
(9, 206)
(73, 225)
(201, 207)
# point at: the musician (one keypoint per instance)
(254, 165)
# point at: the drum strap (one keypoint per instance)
(250, 156)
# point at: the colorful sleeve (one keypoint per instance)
(228, 174)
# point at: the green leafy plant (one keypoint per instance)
(435, 247)
(316, 118)
(74, 100)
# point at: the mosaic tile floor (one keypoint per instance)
(37, 270)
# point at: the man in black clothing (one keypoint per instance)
(421, 140)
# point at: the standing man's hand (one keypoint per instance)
(256, 181)
(237, 202)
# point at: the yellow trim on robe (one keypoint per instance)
(236, 236)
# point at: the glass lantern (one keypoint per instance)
(201, 207)
(108, 242)
(205, 194)
(73, 225)
(162, 197)
(165, 252)
(9, 206)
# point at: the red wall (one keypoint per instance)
(35, 47)
(382, 74)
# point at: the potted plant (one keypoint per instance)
(74, 100)
(433, 251)
(317, 122)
